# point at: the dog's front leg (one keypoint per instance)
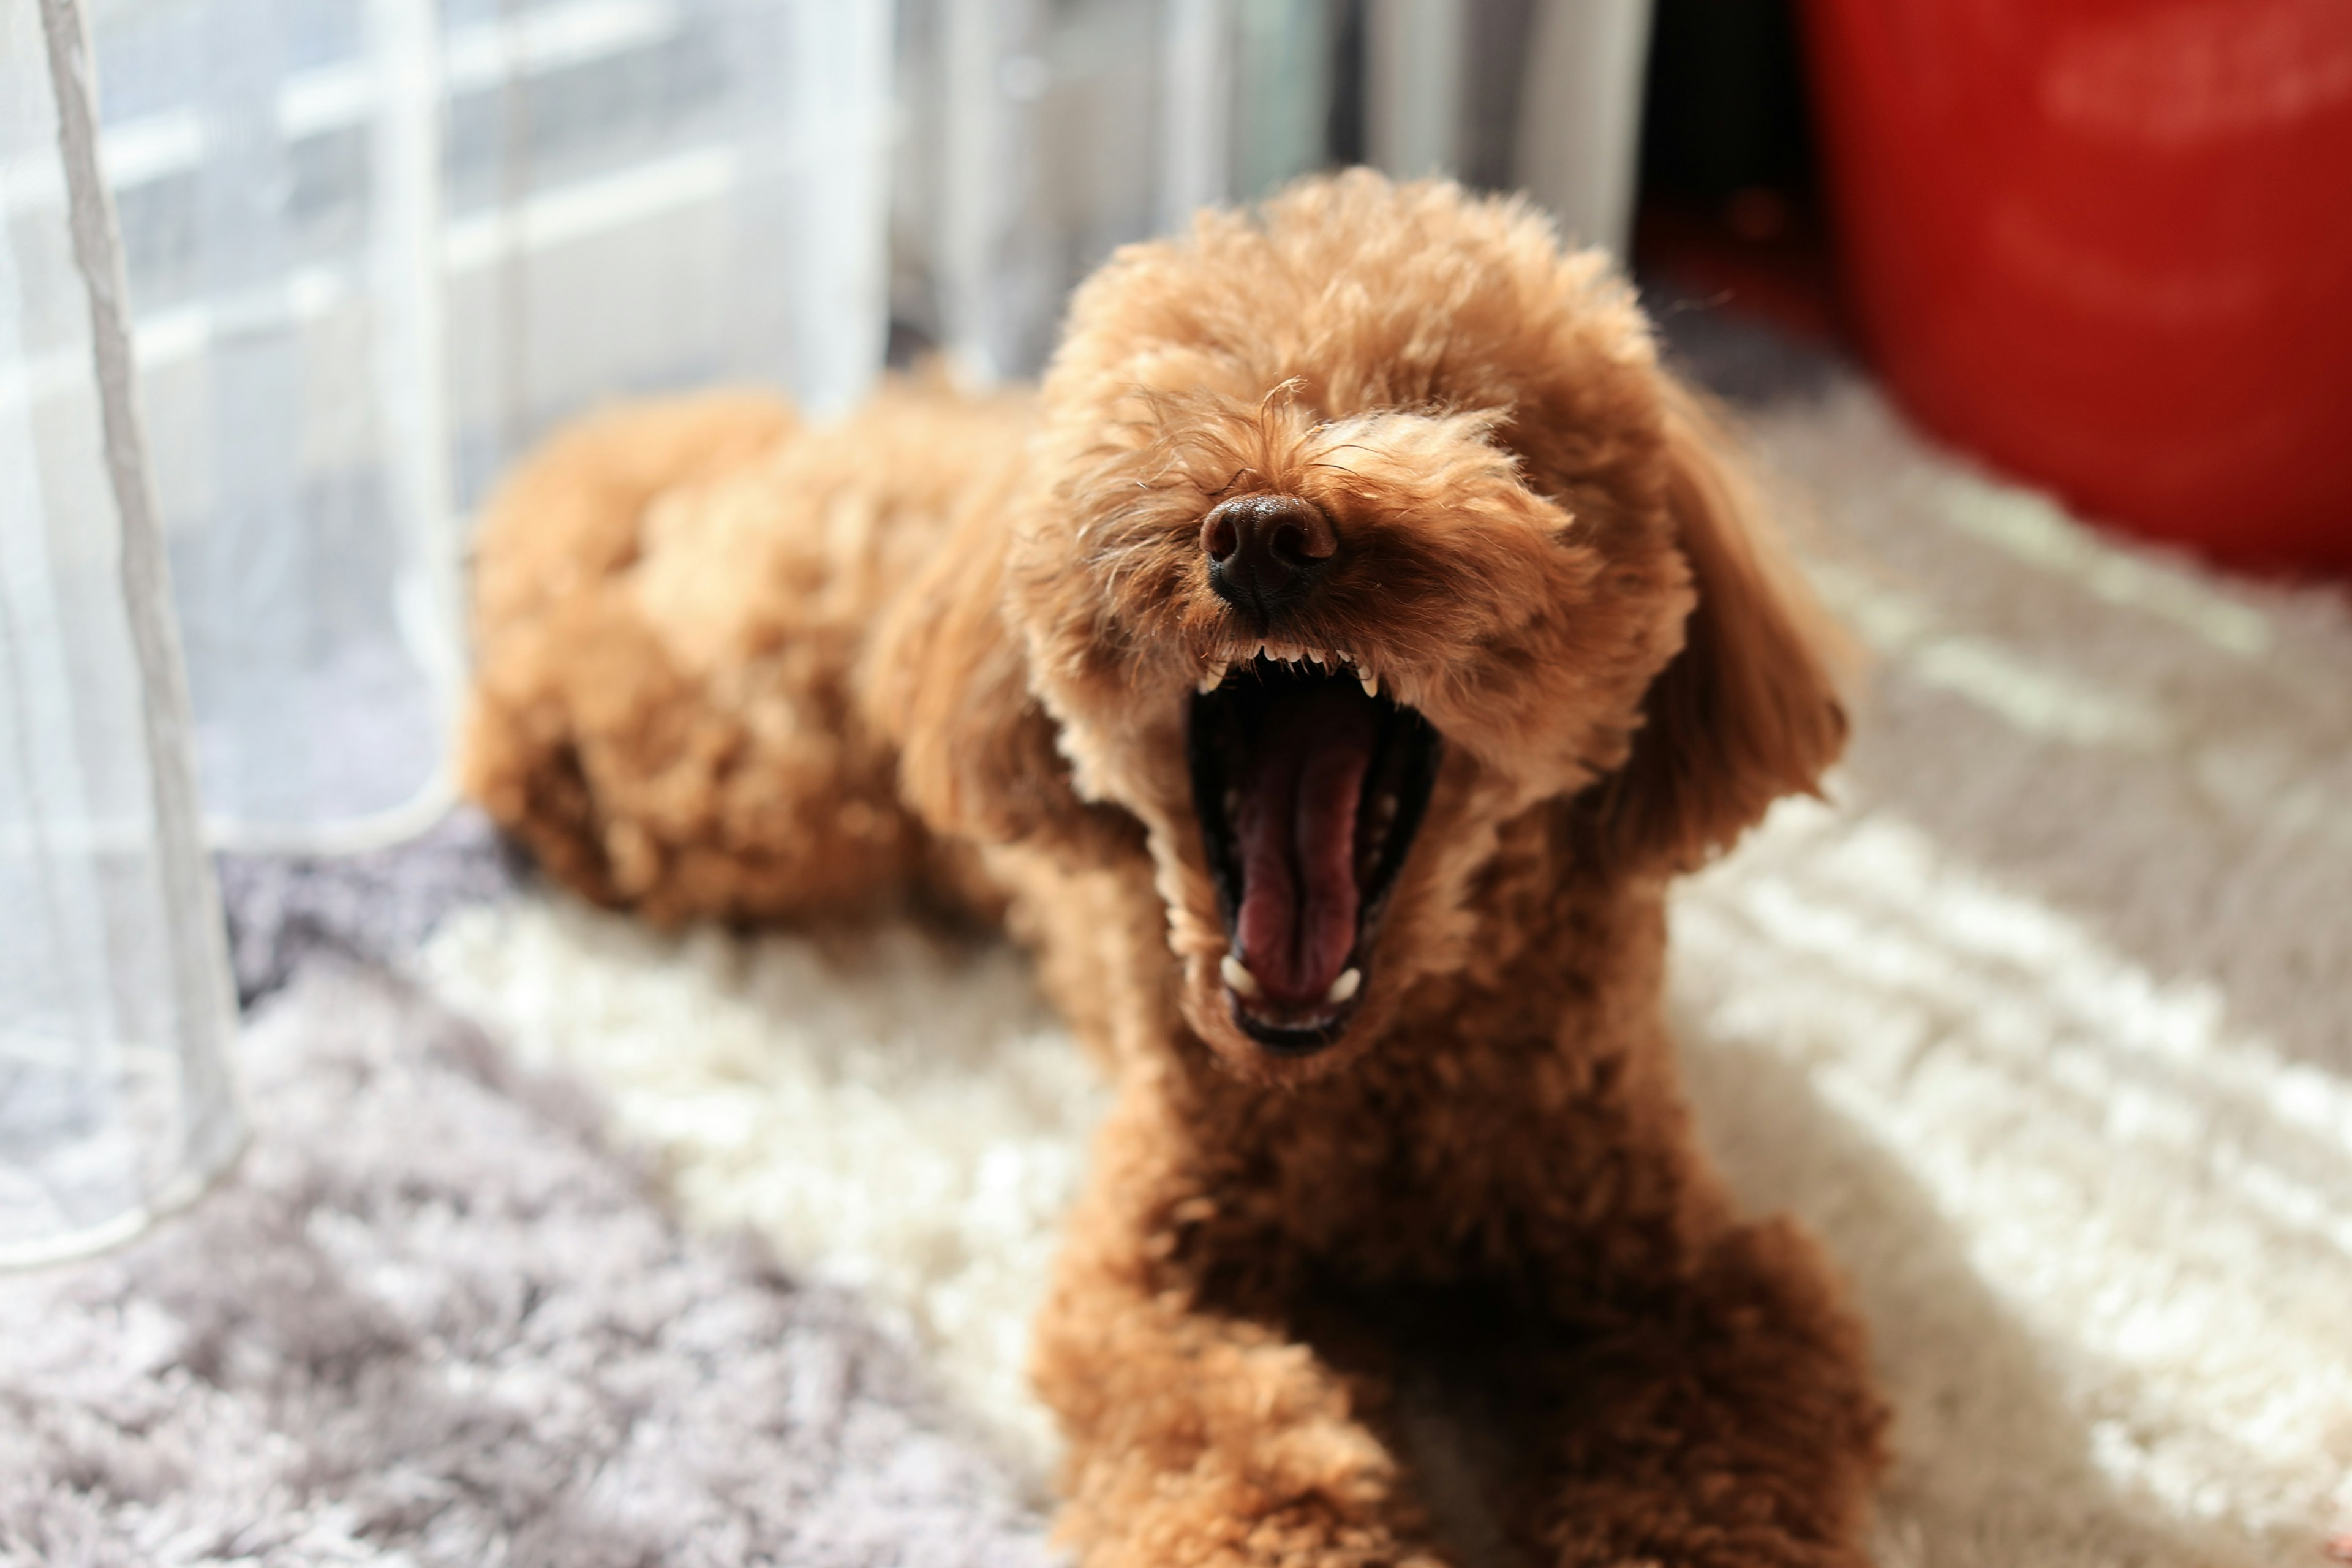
(1727, 1421)
(1199, 1438)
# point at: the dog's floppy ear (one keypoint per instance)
(946, 679)
(1748, 710)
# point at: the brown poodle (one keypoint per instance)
(1324, 674)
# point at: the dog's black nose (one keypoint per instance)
(1264, 550)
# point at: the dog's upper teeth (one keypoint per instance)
(1372, 682)
(1238, 976)
(1215, 675)
(1349, 981)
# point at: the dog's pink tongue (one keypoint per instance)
(1297, 829)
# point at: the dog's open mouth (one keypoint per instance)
(1310, 787)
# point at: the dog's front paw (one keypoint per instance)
(1212, 1516)
(1311, 1533)
(1209, 1528)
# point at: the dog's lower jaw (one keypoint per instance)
(1205, 1024)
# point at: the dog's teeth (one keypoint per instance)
(1341, 988)
(1372, 682)
(1238, 976)
(1215, 675)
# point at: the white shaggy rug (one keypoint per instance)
(899, 1115)
(431, 1323)
(2046, 1025)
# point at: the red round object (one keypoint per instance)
(2108, 244)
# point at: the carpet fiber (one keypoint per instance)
(431, 1321)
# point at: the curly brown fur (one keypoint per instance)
(987, 624)
(668, 599)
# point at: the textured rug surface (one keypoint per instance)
(377, 906)
(431, 1321)
(2045, 1023)
(2057, 1006)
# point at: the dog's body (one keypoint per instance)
(1378, 976)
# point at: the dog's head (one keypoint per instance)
(1360, 527)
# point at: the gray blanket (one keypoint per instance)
(432, 1320)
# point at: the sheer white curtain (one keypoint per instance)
(372, 247)
(1036, 135)
(359, 253)
(114, 999)
(375, 245)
